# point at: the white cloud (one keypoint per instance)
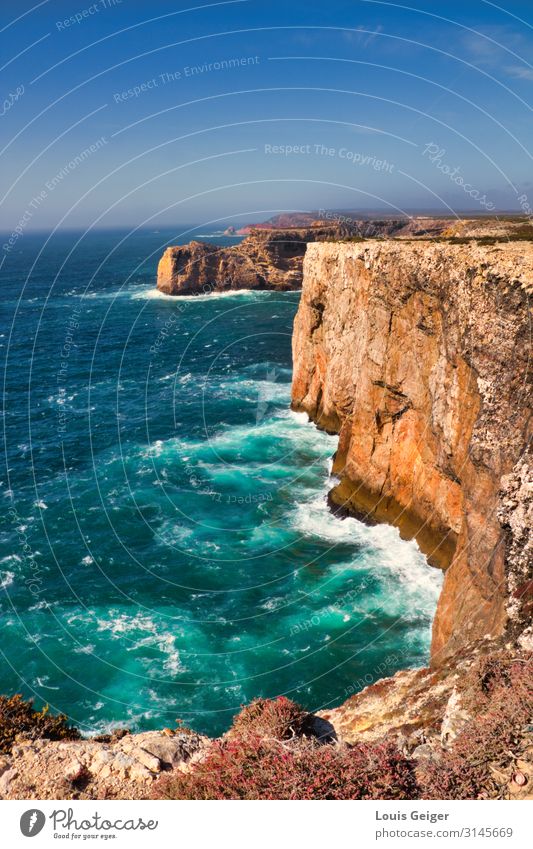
(519, 72)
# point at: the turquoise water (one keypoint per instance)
(167, 551)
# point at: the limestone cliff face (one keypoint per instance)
(267, 259)
(417, 355)
(272, 255)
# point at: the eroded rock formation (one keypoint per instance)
(267, 259)
(417, 354)
(271, 258)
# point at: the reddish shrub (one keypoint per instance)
(279, 718)
(251, 767)
(504, 692)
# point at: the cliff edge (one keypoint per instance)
(272, 255)
(266, 259)
(417, 354)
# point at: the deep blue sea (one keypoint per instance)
(167, 550)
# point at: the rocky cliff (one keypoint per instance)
(417, 354)
(267, 259)
(272, 258)
(262, 261)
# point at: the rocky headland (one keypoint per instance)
(271, 257)
(266, 259)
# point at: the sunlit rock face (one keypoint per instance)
(266, 259)
(416, 353)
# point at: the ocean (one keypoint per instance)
(167, 551)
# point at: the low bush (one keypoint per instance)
(499, 692)
(270, 753)
(255, 768)
(279, 718)
(18, 717)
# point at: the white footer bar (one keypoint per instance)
(267, 825)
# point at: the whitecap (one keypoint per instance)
(149, 294)
(41, 605)
(41, 682)
(174, 534)
(411, 582)
(123, 624)
(6, 579)
(154, 639)
(272, 604)
(11, 558)
(88, 648)
(209, 296)
(405, 562)
(314, 518)
(132, 291)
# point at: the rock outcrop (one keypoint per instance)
(267, 259)
(262, 261)
(417, 354)
(272, 258)
(410, 705)
(121, 767)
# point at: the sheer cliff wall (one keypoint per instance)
(417, 355)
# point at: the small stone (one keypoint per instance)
(6, 780)
(121, 764)
(166, 749)
(104, 772)
(74, 770)
(147, 759)
(423, 751)
(455, 718)
(100, 763)
(141, 773)
(103, 756)
(520, 779)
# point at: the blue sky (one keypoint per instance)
(155, 113)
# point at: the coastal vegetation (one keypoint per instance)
(271, 752)
(19, 719)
